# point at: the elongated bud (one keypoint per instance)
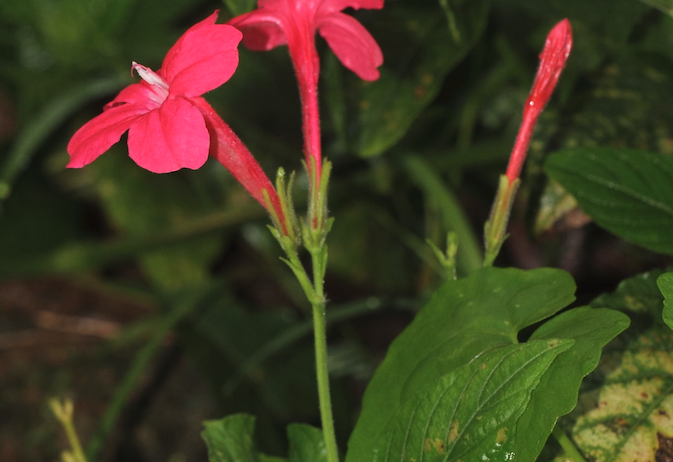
(552, 61)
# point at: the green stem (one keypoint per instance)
(316, 296)
(323, 383)
(320, 333)
(568, 447)
(76, 446)
(64, 413)
(495, 229)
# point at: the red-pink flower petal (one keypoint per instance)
(329, 6)
(353, 45)
(170, 138)
(552, 61)
(101, 132)
(262, 30)
(202, 60)
(175, 49)
(139, 94)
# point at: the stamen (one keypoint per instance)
(159, 85)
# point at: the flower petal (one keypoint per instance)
(170, 138)
(330, 6)
(202, 59)
(175, 49)
(262, 29)
(101, 132)
(353, 45)
(139, 94)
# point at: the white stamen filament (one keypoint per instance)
(159, 85)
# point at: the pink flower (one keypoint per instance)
(166, 131)
(552, 61)
(170, 125)
(295, 22)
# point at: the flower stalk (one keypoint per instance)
(294, 23)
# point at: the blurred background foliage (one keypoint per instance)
(157, 301)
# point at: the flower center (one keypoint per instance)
(159, 86)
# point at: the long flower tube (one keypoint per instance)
(294, 23)
(552, 61)
(170, 125)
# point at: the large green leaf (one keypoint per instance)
(628, 192)
(464, 319)
(420, 49)
(556, 394)
(469, 409)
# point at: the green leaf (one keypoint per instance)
(665, 283)
(420, 50)
(306, 444)
(628, 192)
(639, 297)
(556, 394)
(230, 439)
(464, 319)
(453, 417)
